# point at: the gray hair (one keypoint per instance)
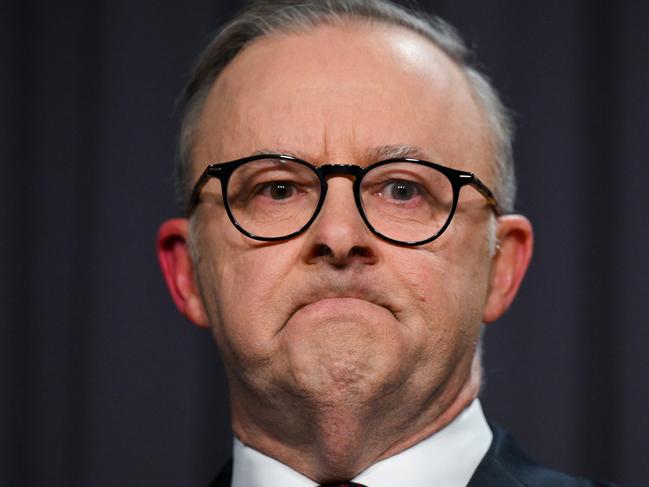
(276, 17)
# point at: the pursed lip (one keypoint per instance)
(337, 301)
(314, 297)
(321, 298)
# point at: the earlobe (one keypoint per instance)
(510, 262)
(176, 263)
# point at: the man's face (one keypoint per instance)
(337, 315)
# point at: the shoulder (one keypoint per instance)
(224, 478)
(506, 465)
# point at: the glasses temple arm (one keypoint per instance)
(196, 192)
(487, 193)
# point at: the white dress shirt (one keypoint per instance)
(446, 459)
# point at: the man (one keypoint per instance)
(348, 185)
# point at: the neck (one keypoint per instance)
(335, 442)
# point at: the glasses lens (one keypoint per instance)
(273, 198)
(406, 201)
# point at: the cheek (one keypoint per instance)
(466, 261)
(247, 309)
(443, 296)
(431, 297)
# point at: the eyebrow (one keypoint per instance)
(395, 151)
(292, 153)
(375, 154)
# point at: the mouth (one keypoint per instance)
(355, 306)
(340, 296)
(337, 303)
(353, 297)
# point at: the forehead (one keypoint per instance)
(334, 93)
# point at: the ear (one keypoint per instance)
(176, 263)
(512, 257)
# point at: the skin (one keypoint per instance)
(342, 349)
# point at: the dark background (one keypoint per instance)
(104, 384)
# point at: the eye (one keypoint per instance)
(278, 190)
(401, 190)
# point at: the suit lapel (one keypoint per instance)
(495, 469)
(224, 478)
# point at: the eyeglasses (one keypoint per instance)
(405, 201)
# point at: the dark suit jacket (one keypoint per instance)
(504, 465)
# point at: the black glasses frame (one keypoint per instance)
(223, 171)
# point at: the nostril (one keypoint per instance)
(341, 259)
(357, 251)
(323, 250)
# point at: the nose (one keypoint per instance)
(339, 236)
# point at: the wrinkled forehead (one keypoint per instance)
(334, 93)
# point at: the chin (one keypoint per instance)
(344, 364)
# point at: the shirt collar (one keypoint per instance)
(446, 459)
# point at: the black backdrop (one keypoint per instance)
(104, 384)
